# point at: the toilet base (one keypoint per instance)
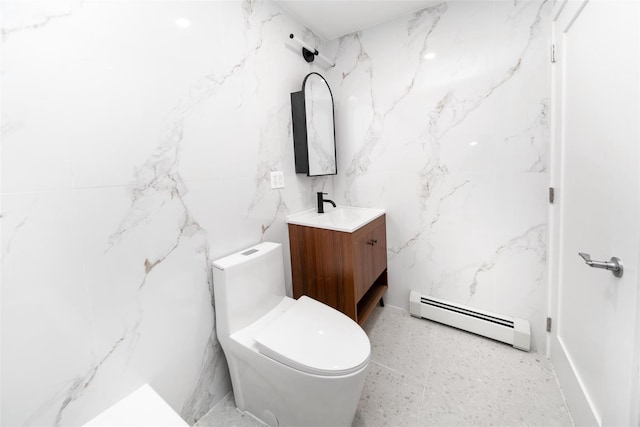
(280, 396)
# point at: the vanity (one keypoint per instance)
(340, 258)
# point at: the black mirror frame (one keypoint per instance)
(299, 123)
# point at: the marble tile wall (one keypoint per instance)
(134, 149)
(442, 119)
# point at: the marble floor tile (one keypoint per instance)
(225, 414)
(476, 381)
(401, 342)
(427, 374)
(389, 398)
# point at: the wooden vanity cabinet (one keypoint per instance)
(347, 271)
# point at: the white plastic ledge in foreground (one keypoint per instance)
(143, 407)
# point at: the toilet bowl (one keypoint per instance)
(292, 362)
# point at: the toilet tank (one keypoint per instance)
(247, 285)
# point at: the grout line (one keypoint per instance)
(427, 374)
(435, 341)
(389, 368)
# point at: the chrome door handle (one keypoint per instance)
(614, 265)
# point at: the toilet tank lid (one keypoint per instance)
(245, 255)
(315, 338)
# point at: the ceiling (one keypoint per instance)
(331, 19)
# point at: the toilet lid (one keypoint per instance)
(314, 338)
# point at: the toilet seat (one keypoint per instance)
(315, 338)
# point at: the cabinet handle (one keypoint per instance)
(372, 242)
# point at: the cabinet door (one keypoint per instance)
(370, 257)
(322, 267)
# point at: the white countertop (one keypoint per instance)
(341, 218)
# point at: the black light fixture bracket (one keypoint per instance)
(309, 53)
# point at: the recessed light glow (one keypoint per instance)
(183, 22)
(473, 143)
(429, 55)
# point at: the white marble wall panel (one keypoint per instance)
(134, 150)
(442, 120)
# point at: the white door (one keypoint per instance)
(595, 169)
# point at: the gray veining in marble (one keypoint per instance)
(141, 187)
(450, 134)
(40, 22)
(212, 380)
(144, 126)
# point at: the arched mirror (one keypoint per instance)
(314, 137)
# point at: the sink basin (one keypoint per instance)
(341, 218)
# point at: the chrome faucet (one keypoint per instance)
(322, 201)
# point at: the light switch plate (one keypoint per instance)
(277, 179)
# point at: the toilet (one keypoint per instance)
(292, 362)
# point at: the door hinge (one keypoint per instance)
(552, 194)
(548, 324)
(553, 53)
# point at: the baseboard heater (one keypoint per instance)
(516, 332)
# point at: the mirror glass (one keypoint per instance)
(320, 129)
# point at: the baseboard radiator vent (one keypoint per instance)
(516, 332)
